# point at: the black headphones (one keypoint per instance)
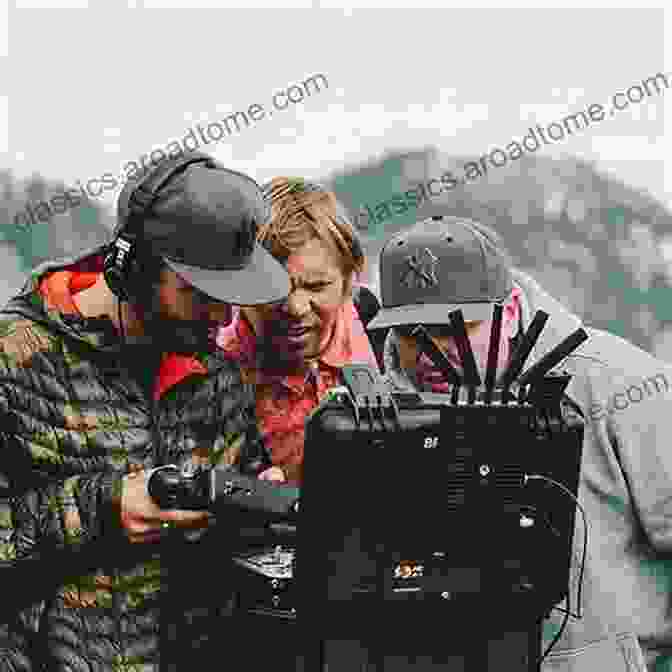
(122, 264)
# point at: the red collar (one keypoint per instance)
(175, 368)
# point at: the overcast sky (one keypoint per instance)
(85, 89)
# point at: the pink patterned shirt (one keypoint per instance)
(284, 402)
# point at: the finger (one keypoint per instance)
(136, 529)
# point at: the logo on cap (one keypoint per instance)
(421, 271)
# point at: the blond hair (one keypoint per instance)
(301, 210)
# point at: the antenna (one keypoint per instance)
(523, 350)
(493, 352)
(471, 375)
(427, 345)
(550, 359)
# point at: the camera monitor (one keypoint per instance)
(459, 502)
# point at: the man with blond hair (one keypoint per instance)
(293, 350)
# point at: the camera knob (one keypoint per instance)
(164, 485)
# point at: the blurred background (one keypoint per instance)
(412, 93)
(600, 247)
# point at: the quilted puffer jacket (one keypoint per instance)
(78, 410)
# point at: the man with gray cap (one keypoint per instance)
(109, 369)
(445, 263)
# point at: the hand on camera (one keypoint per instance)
(143, 521)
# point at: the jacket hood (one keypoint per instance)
(32, 303)
(560, 324)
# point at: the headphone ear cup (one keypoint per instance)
(117, 264)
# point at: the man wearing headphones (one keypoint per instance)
(109, 369)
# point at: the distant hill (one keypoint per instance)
(596, 244)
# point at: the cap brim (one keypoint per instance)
(263, 280)
(428, 313)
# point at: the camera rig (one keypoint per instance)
(223, 491)
(450, 512)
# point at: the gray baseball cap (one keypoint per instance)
(203, 222)
(437, 266)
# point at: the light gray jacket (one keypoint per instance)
(625, 488)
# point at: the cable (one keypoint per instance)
(567, 612)
(557, 636)
(585, 527)
(121, 322)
